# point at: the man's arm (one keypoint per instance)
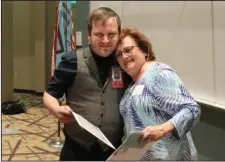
(63, 77)
(63, 113)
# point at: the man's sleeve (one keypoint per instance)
(64, 75)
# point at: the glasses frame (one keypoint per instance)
(123, 51)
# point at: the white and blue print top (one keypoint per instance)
(164, 98)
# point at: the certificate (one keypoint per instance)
(92, 129)
(132, 148)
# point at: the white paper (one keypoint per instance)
(9, 131)
(131, 149)
(79, 38)
(138, 90)
(92, 129)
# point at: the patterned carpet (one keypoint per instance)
(35, 129)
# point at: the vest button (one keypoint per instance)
(101, 114)
(103, 103)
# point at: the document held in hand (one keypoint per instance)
(131, 149)
(92, 129)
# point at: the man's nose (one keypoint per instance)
(105, 39)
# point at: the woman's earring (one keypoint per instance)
(147, 57)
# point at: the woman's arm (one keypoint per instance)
(172, 97)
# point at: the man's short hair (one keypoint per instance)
(102, 14)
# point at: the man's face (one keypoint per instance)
(104, 37)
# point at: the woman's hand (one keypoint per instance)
(155, 133)
(152, 133)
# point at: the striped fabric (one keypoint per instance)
(63, 40)
(163, 98)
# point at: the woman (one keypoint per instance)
(157, 101)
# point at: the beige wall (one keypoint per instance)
(27, 35)
(7, 52)
(38, 27)
(22, 44)
(27, 45)
(32, 40)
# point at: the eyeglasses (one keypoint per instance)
(126, 50)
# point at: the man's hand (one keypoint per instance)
(64, 114)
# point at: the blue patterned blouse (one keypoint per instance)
(164, 98)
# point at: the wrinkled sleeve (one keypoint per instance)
(63, 76)
(173, 97)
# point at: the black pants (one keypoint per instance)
(72, 151)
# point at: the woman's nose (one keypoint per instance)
(124, 55)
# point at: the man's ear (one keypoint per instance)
(89, 38)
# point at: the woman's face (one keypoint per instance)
(130, 56)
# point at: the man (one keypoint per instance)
(85, 77)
